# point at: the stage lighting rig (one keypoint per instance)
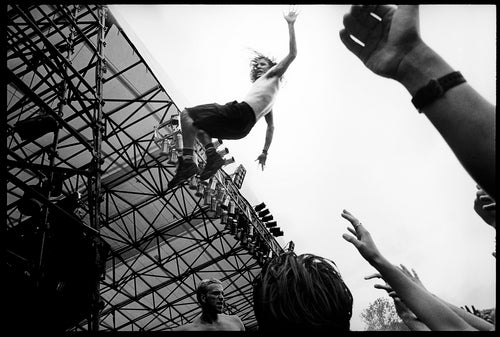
(239, 176)
(169, 139)
(265, 215)
(276, 231)
(32, 128)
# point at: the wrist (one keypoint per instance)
(380, 263)
(419, 66)
(264, 152)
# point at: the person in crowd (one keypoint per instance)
(210, 296)
(412, 321)
(301, 293)
(485, 207)
(431, 311)
(390, 45)
(234, 120)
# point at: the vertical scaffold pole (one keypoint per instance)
(97, 161)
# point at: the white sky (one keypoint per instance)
(345, 138)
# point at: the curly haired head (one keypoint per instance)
(253, 64)
(301, 293)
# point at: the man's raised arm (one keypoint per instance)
(393, 48)
(282, 66)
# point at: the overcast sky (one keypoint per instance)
(345, 138)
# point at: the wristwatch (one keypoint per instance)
(436, 89)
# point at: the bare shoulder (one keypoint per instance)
(234, 321)
(185, 327)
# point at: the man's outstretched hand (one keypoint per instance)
(262, 160)
(292, 14)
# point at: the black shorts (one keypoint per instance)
(232, 120)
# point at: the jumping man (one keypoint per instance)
(234, 120)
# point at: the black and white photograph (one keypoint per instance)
(250, 167)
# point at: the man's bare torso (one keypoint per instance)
(262, 95)
(223, 323)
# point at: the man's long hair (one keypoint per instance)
(253, 63)
(301, 293)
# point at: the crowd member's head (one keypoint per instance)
(210, 295)
(304, 292)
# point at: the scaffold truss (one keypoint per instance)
(90, 220)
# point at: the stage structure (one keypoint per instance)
(94, 239)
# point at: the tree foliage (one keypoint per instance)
(381, 315)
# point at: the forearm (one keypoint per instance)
(269, 138)
(462, 116)
(415, 324)
(473, 320)
(432, 312)
(293, 42)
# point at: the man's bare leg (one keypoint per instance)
(187, 166)
(214, 160)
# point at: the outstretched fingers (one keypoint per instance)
(385, 287)
(355, 47)
(376, 275)
(292, 13)
(351, 239)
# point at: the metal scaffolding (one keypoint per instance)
(98, 173)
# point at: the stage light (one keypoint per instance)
(213, 207)
(169, 143)
(260, 207)
(200, 189)
(276, 231)
(224, 218)
(223, 152)
(217, 143)
(233, 226)
(228, 161)
(207, 196)
(178, 141)
(32, 128)
(213, 185)
(29, 203)
(267, 218)
(239, 176)
(264, 213)
(173, 157)
(157, 138)
(225, 202)
(231, 208)
(193, 182)
(271, 224)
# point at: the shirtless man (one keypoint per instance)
(210, 295)
(234, 120)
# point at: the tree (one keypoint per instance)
(381, 315)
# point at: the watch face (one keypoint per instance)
(427, 94)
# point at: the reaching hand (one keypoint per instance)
(402, 310)
(485, 207)
(362, 239)
(292, 14)
(262, 160)
(386, 42)
(414, 277)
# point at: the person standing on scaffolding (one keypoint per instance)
(234, 120)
